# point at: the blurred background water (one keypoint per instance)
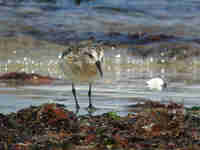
(97, 16)
(34, 32)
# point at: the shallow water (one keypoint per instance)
(123, 85)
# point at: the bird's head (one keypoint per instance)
(95, 56)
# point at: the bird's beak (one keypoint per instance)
(98, 64)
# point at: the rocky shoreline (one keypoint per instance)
(52, 127)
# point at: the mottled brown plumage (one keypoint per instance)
(82, 64)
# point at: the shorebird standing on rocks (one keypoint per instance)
(82, 64)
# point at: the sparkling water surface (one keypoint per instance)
(120, 88)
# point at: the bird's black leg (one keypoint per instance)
(74, 94)
(89, 95)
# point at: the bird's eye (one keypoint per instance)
(90, 55)
(66, 52)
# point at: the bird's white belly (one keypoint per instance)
(83, 73)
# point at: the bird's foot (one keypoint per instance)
(91, 108)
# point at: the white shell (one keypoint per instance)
(156, 84)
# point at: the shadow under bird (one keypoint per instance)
(82, 64)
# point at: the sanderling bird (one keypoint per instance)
(82, 64)
(156, 84)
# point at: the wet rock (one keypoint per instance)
(25, 78)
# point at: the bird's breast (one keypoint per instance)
(80, 72)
